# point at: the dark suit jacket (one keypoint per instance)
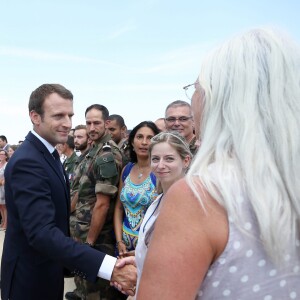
(37, 247)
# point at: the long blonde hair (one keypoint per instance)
(251, 121)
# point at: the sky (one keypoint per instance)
(133, 56)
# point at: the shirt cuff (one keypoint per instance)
(107, 267)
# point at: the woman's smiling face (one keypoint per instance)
(166, 163)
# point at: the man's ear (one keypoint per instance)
(106, 123)
(124, 131)
(35, 118)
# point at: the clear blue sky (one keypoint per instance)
(132, 56)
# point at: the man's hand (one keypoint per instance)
(124, 275)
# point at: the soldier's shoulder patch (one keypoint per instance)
(105, 166)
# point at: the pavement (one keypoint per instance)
(69, 282)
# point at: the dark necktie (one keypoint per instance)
(58, 162)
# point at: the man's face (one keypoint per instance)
(95, 125)
(115, 131)
(80, 139)
(2, 143)
(56, 122)
(184, 128)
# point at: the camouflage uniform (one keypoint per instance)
(75, 182)
(194, 145)
(97, 173)
(123, 146)
(74, 188)
(69, 166)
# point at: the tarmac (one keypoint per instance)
(69, 282)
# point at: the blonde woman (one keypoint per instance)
(170, 159)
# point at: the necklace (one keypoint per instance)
(141, 170)
(140, 175)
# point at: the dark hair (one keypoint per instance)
(119, 119)
(151, 125)
(70, 142)
(14, 147)
(38, 96)
(3, 138)
(102, 108)
(6, 154)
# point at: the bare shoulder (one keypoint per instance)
(206, 215)
(188, 237)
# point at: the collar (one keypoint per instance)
(45, 143)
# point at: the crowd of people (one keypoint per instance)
(203, 203)
(6, 151)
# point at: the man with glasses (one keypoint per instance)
(178, 117)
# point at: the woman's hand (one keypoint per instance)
(128, 253)
(121, 248)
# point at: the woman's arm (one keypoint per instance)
(118, 219)
(185, 242)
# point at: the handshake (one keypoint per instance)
(124, 276)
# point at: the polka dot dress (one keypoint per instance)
(244, 271)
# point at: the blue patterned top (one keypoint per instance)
(136, 198)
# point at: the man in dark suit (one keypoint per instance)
(37, 245)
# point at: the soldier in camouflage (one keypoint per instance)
(118, 131)
(81, 142)
(69, 164)
(97, 189)
(194, 145)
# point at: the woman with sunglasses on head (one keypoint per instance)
(3, 161)
(170, 159)
(238, 209)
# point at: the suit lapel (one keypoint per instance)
(50, 160)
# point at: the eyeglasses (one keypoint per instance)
(190, 89)
(182, 119)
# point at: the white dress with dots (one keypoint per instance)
(244, 271)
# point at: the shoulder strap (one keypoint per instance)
(127, 170)
(153, 178)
